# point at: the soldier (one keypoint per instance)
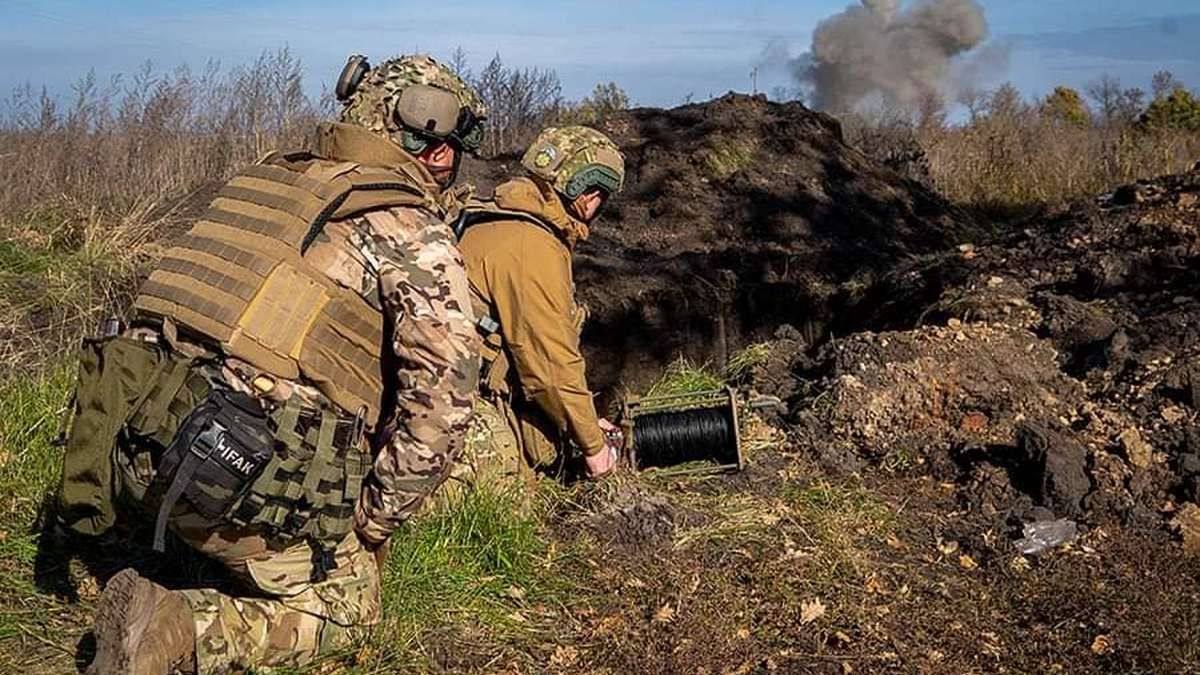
(297, 379)
(517, 247)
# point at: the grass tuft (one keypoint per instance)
(30, 408)
(683, 376)
(479, 560)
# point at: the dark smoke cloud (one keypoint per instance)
(902, 54)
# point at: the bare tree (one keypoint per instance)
(1106, 93)
(518, 100)
(459, 64)
(1163, 83)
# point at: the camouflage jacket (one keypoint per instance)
(405, 263)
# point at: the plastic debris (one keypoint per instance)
(1044, 535)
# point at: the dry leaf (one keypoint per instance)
(743, 633)
(967, 562)
(1102, 645)
(664, 614)
(895, 544)
(515, 593)
(947, 547)
(564, 656)
(609, 624)
(842, 638)
(811, 610)
(991, 645)
(517, 616)
(875, 586)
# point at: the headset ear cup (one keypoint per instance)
(352, 76)
(413, 143)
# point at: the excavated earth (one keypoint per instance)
(974, 378)
(739, 215)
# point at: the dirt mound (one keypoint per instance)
(739, 215)
(1065, 379)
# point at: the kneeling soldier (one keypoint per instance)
(534, 394)
(297, 379)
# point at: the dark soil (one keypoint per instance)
(739, 215)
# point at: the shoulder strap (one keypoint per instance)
(477, 213)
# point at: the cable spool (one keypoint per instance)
(698, 430)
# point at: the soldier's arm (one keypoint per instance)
(424, 294)
(536, 306)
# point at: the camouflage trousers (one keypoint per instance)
(502, 449)
(278, 617)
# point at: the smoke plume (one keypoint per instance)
(904, 55)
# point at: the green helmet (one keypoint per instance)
(576, 159)
(411, 100)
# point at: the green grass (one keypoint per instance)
(30, 407)
(727, 156)
(683, 376)
(58, 276)
(480, 561)
(741, 363)
(839, 520)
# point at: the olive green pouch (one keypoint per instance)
(116, 376)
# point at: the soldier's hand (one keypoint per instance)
(605, 461)
(600, 463)
(381, 554)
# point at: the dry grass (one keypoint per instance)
(91, 186)
(1011, 153)
(1027, 159)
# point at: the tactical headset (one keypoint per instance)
(425, 113)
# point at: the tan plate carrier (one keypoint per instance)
(240, 279)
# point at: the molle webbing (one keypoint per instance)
(240, 279)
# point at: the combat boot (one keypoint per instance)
(142, 629)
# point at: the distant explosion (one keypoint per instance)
(904, 55)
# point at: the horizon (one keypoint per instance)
(665, 55)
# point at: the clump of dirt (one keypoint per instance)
(628, 517)
(1063, 379)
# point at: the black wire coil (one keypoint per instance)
(669, 438)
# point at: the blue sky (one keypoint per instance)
(660, 51)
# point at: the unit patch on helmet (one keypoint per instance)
(545, 156)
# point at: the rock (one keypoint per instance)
(1189, 464)
(1127, 195)
(1186, 524)
(1055, 466)
(973, 422)
(1173, 414)
(1137, 451)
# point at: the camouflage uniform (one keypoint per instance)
(404, 262)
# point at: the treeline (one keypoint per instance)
(1011, 151)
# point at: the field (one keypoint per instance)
(957, 358)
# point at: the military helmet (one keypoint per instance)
(411, 100)
(576, 159)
